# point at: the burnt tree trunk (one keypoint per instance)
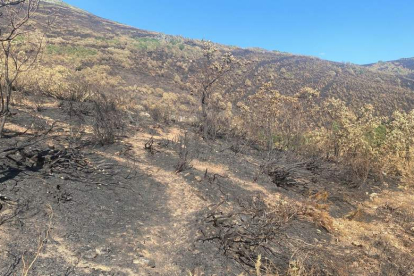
(204, 114)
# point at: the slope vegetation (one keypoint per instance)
(404, 67)
(143, 61)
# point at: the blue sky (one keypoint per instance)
(358, 31)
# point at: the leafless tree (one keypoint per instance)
(214, 68)
(19, 51)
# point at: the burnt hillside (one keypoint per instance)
(140, 60)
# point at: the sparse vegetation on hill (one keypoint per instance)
(403, 67)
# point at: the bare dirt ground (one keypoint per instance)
(125, 210)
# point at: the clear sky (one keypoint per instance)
(358, 31)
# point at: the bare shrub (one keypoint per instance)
(107, 120)
(79, 89)
(149, 146)
(183, 149)
(76, 114)
(61, 83)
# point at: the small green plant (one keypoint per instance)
(76, 51)
(146, 44)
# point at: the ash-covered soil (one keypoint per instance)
(71, 207)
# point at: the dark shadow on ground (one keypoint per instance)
(97, 219)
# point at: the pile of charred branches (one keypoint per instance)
(49, 159)
(33, 155)
(253, 230)
(291, 175)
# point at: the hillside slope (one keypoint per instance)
(142, 61)
(97, 186)
(404, 67)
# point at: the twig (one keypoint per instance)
(27, 268)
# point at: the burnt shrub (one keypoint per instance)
(107, 120)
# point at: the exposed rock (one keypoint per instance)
(145, 262)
